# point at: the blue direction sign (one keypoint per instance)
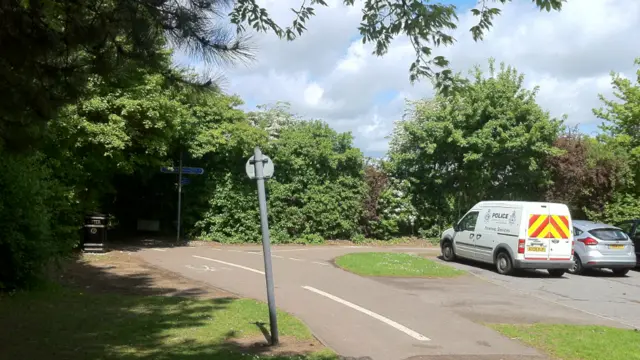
(185, 170)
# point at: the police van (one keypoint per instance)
(513, 235)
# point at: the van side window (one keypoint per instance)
(576, 231)
(468, 223)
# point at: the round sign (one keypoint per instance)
(94, 231)
(267, 167)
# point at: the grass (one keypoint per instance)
(571, 342)
(394, 264)
(67, 324)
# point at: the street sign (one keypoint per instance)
(260, 167)
(181, 181)
(185, 170)
(267, 168)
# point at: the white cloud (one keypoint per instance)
(329, 74)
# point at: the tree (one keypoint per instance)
(621, 117)
(587, 174)
(426, 24)
(96, 152)
(485, 141)
(316, 192)
(52, 48)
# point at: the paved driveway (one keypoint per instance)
(600, 294)
(383, 318)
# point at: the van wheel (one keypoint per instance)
(620, 272)
(556, 272)
(577, 268)
(447, 251)
(504, 265)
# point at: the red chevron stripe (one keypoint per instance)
(558, 228)
(541, 228)
(532, 219)
(565, 220)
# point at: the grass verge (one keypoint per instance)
(61, 323)
(572, 342)
(394, 264)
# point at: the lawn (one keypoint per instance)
(60, 323)
(571, 342)
(394, 264)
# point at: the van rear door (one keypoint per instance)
(537, 245)
(560, 236)
(549, 237)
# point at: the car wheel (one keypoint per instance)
(620, 272)
(577, 268)
(504, 265)
(556, 272)
(447, 251)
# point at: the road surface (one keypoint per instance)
(383, 319)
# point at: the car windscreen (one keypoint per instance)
(609, 234)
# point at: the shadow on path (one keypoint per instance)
(115, 319)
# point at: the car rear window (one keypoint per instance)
(609, 234)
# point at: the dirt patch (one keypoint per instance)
(288, 346)
(124, 273)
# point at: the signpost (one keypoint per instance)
(181, 181)
(260, 167)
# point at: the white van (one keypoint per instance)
(513, 235)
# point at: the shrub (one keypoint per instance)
(37, 222)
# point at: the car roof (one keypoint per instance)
(587, 225)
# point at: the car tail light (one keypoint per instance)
(589, 241)
(520, 246)
(573, 247)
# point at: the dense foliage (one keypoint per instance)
(486, 140)
(316, 192)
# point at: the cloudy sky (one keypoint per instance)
(329, 74)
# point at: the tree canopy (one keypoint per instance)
(486, 140)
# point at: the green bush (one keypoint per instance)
(358, 239)
(310, 239)
(316, 192)
(36, 219)
(623, 207)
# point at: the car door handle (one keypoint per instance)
(471, 236)
(478, 236)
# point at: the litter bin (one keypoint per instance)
(95, 233)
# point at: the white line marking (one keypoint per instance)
(379, 317)
(163, 250)
(320, 263)
(277, 256)
(254, 253)
(216, 249)
(295, 259)
(232, 250)
(230, 264)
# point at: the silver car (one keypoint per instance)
(599, 246)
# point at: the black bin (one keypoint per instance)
(95, 233)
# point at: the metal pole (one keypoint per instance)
(179, 196)
(266, 246)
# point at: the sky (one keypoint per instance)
(329, 74)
